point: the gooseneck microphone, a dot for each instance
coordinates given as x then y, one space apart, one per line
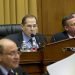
32 35
34 43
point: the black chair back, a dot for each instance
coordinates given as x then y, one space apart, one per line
8 29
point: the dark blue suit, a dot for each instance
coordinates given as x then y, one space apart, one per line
59 36
18 38
17 70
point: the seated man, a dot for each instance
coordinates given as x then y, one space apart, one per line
9 58
30 30
68 23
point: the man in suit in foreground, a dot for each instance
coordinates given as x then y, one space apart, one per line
30 27
9 58
68 23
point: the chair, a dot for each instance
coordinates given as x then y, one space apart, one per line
8 29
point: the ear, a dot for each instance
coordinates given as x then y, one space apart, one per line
21 26
66 28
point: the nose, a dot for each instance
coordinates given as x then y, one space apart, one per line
32 28
17 57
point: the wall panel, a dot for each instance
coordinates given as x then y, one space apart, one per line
51 12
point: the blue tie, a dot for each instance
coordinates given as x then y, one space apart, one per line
10 73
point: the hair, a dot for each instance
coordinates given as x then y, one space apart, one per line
27 16
64 20
1 49
72 14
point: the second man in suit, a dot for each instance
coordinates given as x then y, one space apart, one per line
68 23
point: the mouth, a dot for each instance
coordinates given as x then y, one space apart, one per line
16 62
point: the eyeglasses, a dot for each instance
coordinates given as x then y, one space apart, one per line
72 24
13 53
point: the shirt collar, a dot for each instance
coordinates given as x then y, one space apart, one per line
25 37
71 36
4 70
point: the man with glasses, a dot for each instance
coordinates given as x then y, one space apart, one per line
68 23
9 58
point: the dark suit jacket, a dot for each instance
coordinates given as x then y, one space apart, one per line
59 36
18 38
18 70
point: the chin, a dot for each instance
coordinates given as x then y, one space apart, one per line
15 66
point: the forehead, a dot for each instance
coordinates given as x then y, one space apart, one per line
10 48
8 44
31 20
71 20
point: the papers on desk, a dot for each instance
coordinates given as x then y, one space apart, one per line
63 67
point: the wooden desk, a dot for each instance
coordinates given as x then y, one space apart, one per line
35 62
55 51
32 62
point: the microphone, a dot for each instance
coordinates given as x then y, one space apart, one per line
33 39
34 43
32 35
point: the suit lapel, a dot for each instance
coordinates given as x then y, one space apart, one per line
38 40
66 35
1 72
20 37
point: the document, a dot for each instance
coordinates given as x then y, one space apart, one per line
65 66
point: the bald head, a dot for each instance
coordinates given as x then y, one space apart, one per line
9 54
6 43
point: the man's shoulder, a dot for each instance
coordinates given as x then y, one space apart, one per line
20 71
14 35
1 72
64 33
59 36
17 38
40 35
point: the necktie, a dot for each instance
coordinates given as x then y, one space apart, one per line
11 73
34 44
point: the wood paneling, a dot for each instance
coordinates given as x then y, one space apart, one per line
35 62
51 12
